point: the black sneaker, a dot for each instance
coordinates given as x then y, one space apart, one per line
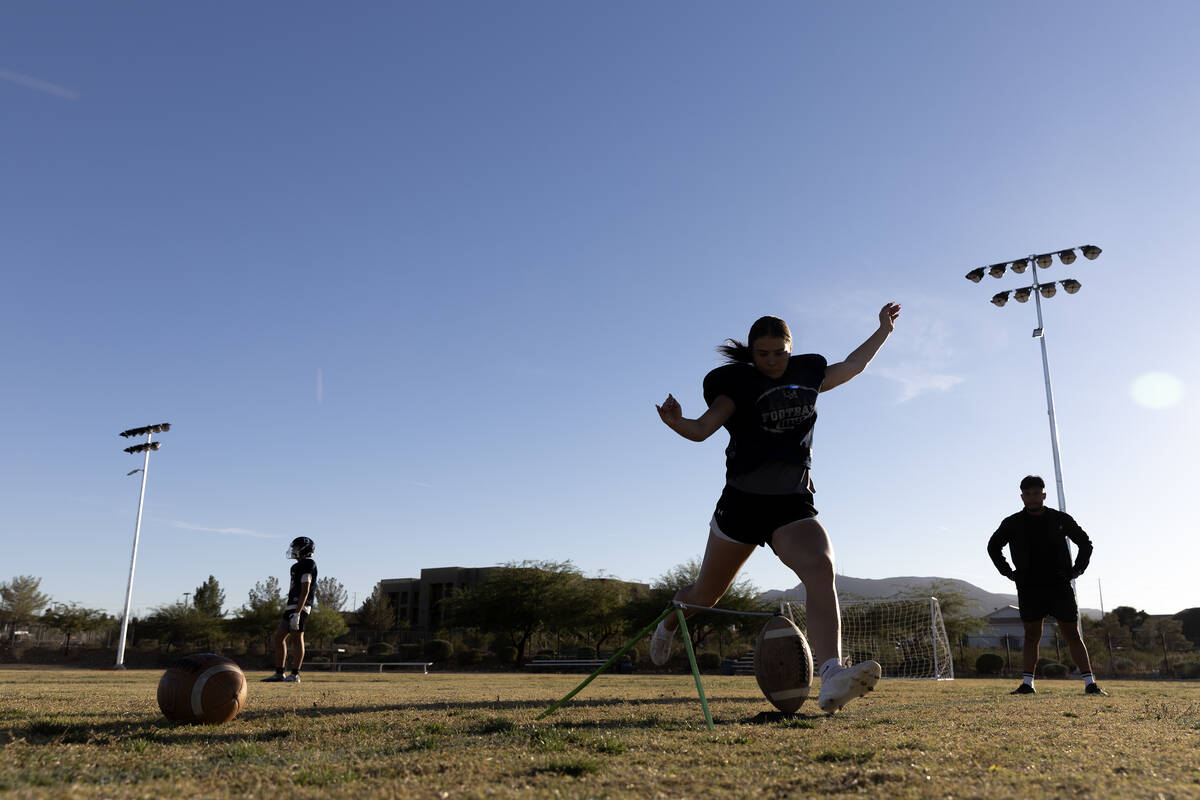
1024 688
277 678
1094 688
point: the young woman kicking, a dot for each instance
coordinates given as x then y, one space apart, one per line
767 399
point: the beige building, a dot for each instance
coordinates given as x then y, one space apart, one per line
1006 622
417 600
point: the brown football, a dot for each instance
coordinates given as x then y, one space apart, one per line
783 664
203 687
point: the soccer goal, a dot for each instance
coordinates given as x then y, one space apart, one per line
906 637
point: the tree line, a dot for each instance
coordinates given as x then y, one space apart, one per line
1132 641
525 606
534 605
201 621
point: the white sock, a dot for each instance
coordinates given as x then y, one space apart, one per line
830 666
1027 678
1088 679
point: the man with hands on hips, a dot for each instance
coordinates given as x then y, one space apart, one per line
1037 541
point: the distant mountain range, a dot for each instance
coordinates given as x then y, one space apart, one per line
980 602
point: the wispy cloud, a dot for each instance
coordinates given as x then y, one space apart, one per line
915 381
38 85
920 352
187 526
917 356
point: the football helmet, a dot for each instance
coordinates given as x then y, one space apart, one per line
301 547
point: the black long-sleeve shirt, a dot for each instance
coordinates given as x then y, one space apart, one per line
1038 546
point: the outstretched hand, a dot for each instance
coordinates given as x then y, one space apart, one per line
887 316
670 412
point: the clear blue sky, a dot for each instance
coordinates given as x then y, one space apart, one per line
409 279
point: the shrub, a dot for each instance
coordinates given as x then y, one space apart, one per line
989 664
709 661
632 654
470 657
439 650
1188 670
409 651
586 653
1041 665
507 655
1054 670
380 649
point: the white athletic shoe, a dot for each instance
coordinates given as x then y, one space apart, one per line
660 645
292 679
843 684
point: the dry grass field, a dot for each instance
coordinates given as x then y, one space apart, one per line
73 733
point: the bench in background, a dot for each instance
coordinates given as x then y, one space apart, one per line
337 666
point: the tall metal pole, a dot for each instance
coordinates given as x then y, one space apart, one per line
1090 252
1040 334
137 530
1058 478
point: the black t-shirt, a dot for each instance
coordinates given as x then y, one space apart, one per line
305 566
773 418
1044 546
1038 546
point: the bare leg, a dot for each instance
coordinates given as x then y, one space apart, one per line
298 648
1033 639
805 548
280 648
1079 653
722 561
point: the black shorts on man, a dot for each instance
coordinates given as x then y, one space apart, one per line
753 518
1037 601
286 623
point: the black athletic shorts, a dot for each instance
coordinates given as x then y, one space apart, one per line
1040 600
285 624
752 518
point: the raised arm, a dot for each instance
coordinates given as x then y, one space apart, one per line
699 429
856 362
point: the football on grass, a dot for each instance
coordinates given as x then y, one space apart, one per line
783 664
204 688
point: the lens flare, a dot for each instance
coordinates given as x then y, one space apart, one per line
1156 390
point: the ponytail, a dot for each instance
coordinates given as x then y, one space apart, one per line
737 353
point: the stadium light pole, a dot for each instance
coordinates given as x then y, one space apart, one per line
1039 290
146 447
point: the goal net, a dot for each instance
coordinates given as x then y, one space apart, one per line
906 637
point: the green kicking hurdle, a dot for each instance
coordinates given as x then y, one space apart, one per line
676 607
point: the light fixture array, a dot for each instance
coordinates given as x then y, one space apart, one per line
1041 261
